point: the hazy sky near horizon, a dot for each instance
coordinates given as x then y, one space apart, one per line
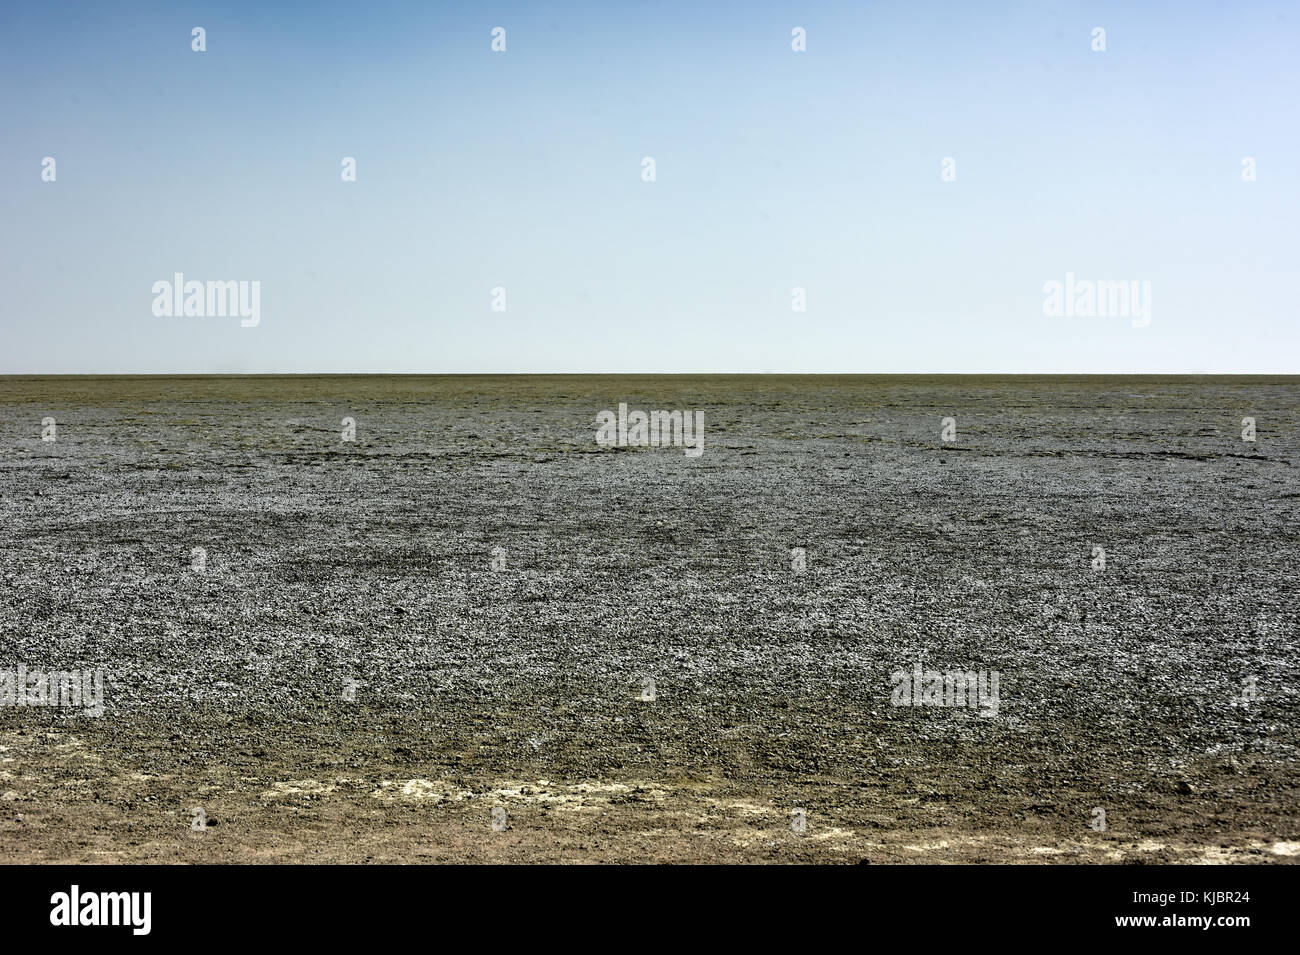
775 169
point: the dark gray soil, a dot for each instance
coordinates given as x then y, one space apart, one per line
370 561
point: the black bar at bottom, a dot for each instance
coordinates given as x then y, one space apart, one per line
949 905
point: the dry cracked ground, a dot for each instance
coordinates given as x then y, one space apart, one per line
347 679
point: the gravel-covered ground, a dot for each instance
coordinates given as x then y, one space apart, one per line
364 569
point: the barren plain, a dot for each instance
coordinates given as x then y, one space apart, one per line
345 677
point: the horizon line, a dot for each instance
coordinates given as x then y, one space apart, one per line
651 374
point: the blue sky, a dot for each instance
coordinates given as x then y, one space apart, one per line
775 169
